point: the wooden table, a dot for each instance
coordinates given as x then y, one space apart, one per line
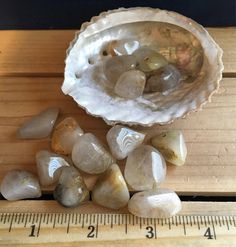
31 73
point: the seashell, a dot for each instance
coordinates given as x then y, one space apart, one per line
20 184
49 167
145 167
130 84
89 155
172 146
40 126
184 44
65 135
71 190
162 203
123 140
110 189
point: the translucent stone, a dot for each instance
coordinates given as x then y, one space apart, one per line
20 184
71 190
165 80
39 126
172 146
65 135
110 189
123 140
148 59
130 84
145 167
49 167
90 156
115 66
122 47
162 203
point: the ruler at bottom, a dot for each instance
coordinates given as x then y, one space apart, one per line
75 227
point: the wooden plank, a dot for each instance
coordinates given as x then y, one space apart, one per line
210 134
43 52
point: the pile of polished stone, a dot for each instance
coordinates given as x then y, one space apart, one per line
74 151
133 70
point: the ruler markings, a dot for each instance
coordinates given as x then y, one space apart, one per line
39 220
9 230
39 225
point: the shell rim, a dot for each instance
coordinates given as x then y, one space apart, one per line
188 111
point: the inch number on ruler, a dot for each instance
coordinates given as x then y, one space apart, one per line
89 227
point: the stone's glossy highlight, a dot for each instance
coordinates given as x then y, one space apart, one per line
172 146
71 190
145 167
130 84
115 66
148 59
123 140
20 184
166 80
162 203
122 47
65 135
49 167
90 156
110 189
39 126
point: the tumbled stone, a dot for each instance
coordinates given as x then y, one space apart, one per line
145 167
162 203
65 135
115 66
49 167
71 190
39 126
20 184
90 155
123 140
172 146
122 47
110 189
148 59
130 84
166 80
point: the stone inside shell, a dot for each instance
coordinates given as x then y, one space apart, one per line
179 39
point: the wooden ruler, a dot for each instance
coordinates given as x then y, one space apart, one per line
50 228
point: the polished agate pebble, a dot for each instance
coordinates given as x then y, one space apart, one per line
148 59
122 47
49 166
90 156
172 146
123 140
162 203
71 190
39 126
115 66
20 184
130 84
145 167
65 135
163 81
110 189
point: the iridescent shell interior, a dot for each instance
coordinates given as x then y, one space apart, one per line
183 42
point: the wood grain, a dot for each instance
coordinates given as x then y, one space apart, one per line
43 52
210 134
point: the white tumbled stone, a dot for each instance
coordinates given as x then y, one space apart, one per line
145 167
20 184
123 140
162 203
172 146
